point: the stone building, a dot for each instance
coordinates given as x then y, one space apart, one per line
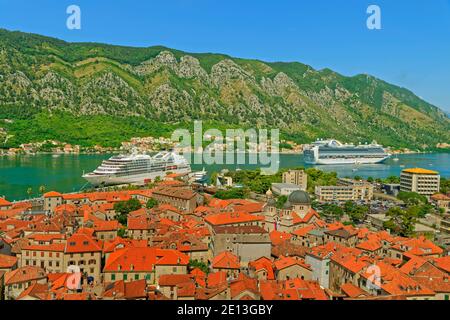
247 242
296 212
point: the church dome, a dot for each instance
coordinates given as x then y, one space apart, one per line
287 205
299 197
271 202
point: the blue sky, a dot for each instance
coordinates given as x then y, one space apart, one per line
412 49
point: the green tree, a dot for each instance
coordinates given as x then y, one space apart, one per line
281 201
234 193
42 189
392 179
198 264
122 232
357 213
445 185
151 203
412 198
214 176
123 208
333 210
400 222
29 192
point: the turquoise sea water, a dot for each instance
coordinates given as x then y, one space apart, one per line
63 173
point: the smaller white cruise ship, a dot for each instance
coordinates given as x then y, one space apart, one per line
331 152
137 168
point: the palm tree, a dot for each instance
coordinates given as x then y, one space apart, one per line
29 192
42 189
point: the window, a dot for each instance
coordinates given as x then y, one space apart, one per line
125 277
136 277
113 277
174 269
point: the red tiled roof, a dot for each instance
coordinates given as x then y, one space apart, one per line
53 247
302 232
181 193
226 260
352 291
231 218
263 263
286 262
442 263
36 290
112 225
52 194
79 243
440 196
394 282
7 262
369 245
243 283
4 203
24 274
278 237
217 278
173 279
143 259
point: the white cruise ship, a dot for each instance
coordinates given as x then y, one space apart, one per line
333 152
137 168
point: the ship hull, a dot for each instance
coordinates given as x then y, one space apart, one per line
347 161
110 180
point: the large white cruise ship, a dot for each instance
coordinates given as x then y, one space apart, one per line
137 168
334 152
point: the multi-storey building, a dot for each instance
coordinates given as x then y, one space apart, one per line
355 192
421 181
181 198
297 177
247 242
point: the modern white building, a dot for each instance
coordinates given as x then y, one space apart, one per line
284 189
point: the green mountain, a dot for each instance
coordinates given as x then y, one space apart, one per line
90 93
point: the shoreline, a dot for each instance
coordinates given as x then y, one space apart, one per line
445 151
